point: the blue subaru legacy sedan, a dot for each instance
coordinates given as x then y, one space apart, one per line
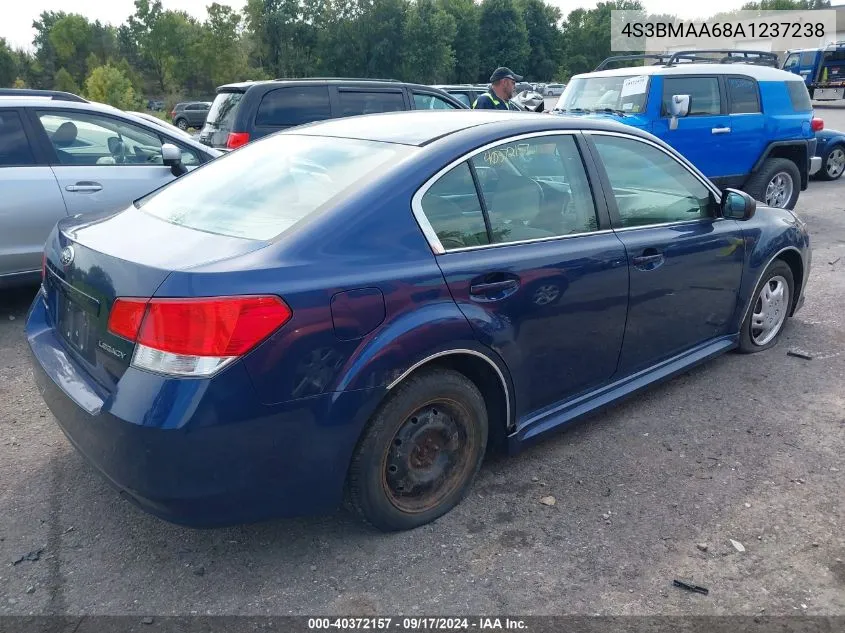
355 311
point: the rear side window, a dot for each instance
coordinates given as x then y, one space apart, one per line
462 97
703 92
262 190
427 101
452 208
294 106
14 147
743 94
799 96
354 103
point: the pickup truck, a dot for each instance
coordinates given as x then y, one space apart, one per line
823 70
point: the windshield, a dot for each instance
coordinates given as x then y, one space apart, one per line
624 94
260 191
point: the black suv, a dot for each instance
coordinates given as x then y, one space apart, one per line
243 112
190 114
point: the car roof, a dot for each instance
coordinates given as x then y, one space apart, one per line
761 73
245 85
421 127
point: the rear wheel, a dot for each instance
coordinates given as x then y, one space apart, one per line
833 163
420 452
776 184
182 124
770 307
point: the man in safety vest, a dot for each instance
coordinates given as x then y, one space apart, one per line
502 85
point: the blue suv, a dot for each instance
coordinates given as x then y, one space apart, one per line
745 125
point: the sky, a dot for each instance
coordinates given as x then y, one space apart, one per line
17 15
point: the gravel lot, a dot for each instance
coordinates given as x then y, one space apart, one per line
748 448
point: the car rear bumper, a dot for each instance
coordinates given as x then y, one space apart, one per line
174 448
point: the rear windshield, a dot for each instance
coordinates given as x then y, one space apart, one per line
223 109
261 190
799 96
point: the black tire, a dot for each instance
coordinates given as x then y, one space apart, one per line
747 343
182 124
824 172
759 181
406 445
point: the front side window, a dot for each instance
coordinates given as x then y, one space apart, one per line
14 147
294 105
353 103
703 93
427 101
649 185
290 177
744 95
80 138
792 62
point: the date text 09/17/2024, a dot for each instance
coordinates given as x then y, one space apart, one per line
416 624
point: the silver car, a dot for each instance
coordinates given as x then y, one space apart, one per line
60 157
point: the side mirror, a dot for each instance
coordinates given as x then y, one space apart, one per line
738 205
171 156
678 107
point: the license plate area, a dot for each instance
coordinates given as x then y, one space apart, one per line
74 324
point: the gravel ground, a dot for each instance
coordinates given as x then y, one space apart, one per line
748 448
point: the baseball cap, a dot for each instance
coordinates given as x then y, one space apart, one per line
504 73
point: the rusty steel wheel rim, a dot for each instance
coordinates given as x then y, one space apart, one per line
429 457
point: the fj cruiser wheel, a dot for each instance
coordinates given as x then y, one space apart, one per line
420 452
833 163
769 309
182 124
776 184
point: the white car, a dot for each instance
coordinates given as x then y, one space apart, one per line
554 90
63 156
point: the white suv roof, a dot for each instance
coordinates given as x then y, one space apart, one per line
761 73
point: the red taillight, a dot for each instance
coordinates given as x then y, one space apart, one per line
817 124
237 139
206 327
173 114
126 316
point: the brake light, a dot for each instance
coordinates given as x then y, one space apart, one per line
817 124
237 139
173 114
195 337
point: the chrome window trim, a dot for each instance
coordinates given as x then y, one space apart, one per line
470 352
760 277
416 201
533 240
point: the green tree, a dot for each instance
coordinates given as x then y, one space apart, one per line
465 43
156 33
221 54
585 36
427 43
71 39
503 37
64 81
544 39
8 65
106 84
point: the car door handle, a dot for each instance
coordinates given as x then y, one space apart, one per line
648 260
493 286
721 130
84 187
